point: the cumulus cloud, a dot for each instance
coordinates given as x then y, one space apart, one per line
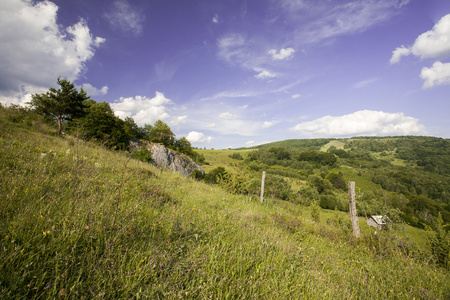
398 53
438 74
198 137
142 109
365 122
93 91
126 18
35 50
282 53
434 43
295 96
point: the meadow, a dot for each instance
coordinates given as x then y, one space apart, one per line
80 221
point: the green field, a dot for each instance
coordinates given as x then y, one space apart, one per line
79 221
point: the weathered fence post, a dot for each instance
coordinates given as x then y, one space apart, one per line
353 214
262 186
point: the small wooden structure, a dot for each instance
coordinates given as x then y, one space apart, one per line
379 222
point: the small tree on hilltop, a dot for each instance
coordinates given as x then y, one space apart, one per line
63 104
161 133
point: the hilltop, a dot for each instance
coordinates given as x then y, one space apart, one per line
79 220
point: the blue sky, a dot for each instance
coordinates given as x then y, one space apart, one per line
240 72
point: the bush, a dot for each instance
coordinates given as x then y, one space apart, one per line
236 155
438 241
143 155
196 174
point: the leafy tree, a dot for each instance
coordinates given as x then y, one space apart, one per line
160 132
63 104
101 124
131 128
438 241
184 146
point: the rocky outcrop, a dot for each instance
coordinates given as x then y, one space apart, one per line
177 162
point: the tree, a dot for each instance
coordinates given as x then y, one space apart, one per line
63 104
160 132
101 124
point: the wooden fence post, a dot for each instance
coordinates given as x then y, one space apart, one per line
262 186
353 214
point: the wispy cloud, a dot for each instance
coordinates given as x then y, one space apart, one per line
364 83
215 19
126 18
344 18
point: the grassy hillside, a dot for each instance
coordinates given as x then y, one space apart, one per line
79 221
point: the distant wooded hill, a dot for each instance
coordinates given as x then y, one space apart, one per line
406 174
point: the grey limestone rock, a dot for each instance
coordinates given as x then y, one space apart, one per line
177 162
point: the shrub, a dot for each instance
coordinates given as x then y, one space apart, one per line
236 155
143 155
196 174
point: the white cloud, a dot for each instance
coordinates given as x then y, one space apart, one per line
198 137
364 83
227 116
93 91
438 74
124 17
295 96
282 53
215 19
347 17
142 109
363 122
179 120
268 124
263 74
250 143
232 48
434 43
398 53
35 50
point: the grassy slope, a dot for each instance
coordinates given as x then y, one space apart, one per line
78 221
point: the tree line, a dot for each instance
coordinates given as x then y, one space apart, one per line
76 112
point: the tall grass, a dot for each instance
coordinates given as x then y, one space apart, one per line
78 221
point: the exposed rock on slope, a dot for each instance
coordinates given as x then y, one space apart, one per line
170 160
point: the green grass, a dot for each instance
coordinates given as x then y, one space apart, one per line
78 221
336 143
